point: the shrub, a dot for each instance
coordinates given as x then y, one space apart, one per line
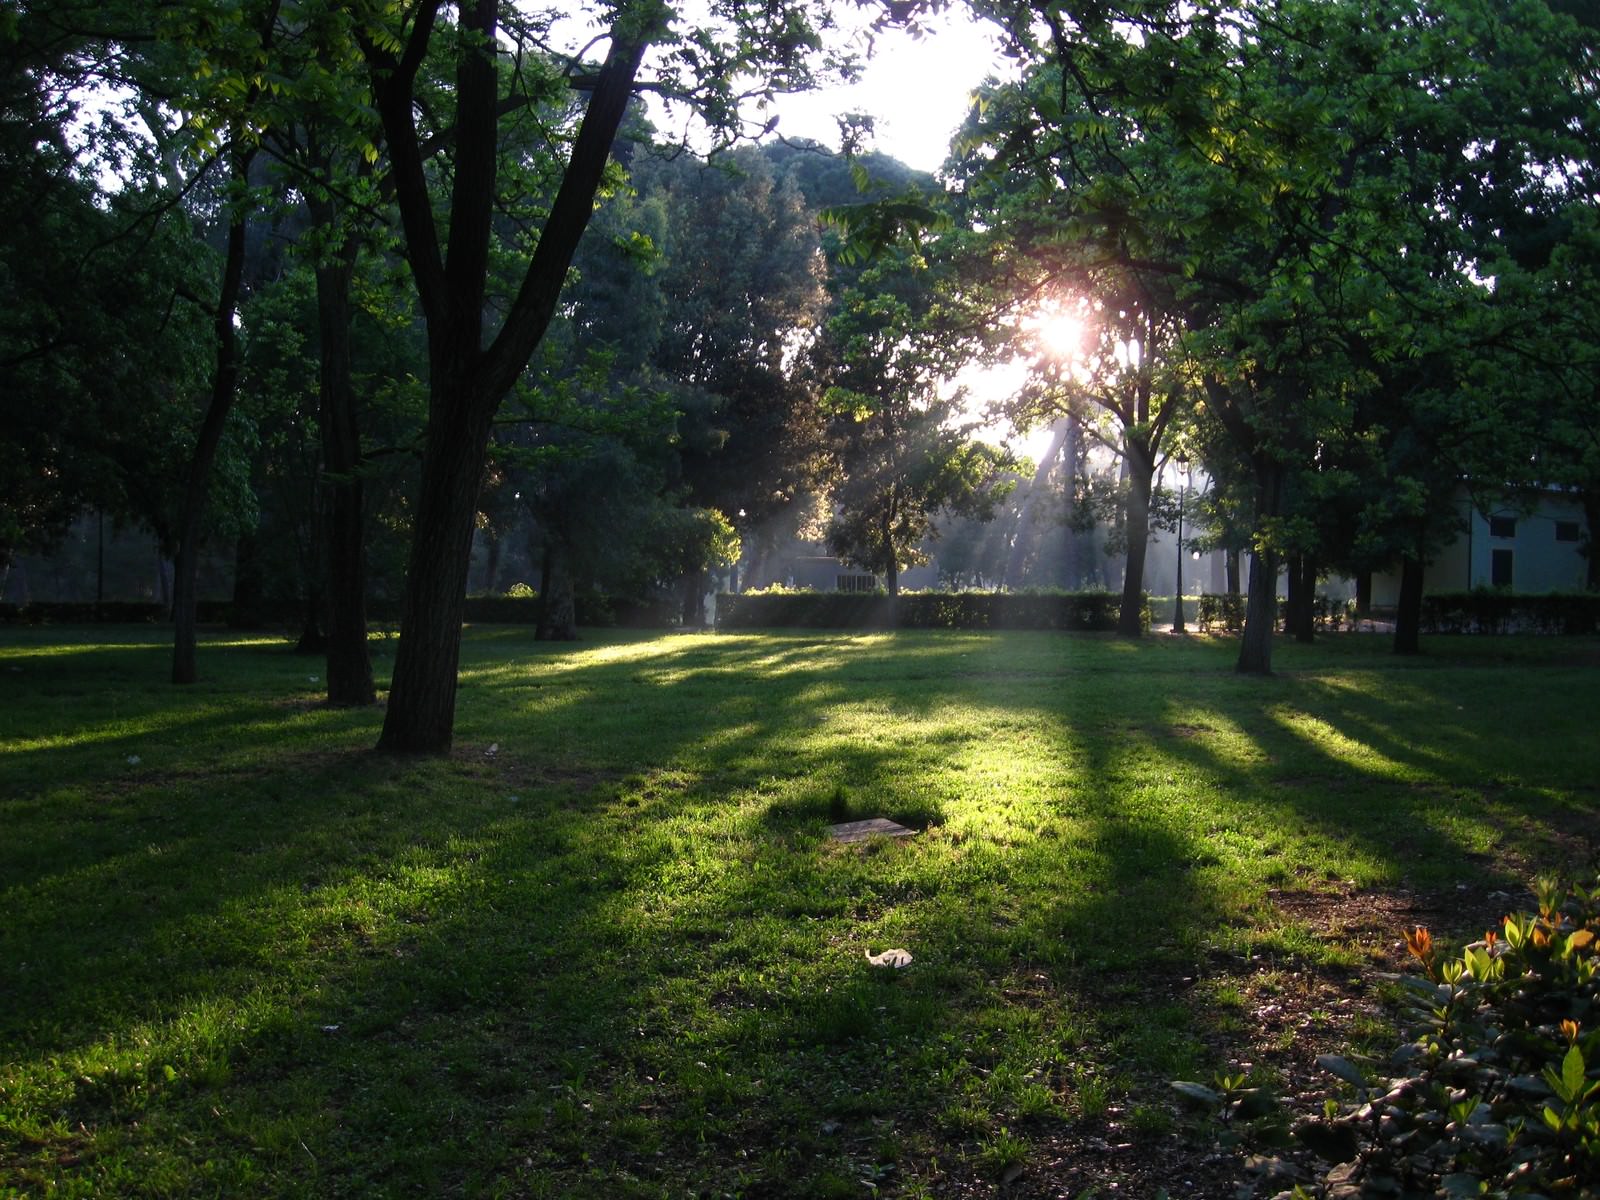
1221 611
1087 611
1485 610
1499 1093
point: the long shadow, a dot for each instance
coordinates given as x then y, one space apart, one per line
635 892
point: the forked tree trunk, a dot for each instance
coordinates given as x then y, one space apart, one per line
466 379
1408 612
349 658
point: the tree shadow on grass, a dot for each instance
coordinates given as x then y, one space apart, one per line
622 943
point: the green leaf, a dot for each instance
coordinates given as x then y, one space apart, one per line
1197 1092
1343 1068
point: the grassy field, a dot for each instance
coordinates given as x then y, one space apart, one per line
607 948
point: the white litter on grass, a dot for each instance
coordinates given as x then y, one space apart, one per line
133 760
312 678
494 748
895 959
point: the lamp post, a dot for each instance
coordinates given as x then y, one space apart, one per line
1177 601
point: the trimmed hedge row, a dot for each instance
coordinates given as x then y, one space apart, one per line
119 612
1089 611
1487 611
598 611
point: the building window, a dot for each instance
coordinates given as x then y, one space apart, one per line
1500 568
1503 527
1566 531
856 583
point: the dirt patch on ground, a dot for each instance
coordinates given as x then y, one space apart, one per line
1268 1016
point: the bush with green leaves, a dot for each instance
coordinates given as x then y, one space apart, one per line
1498 1095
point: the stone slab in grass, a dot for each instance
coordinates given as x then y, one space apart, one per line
860 831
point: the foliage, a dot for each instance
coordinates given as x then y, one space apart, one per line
1497 1094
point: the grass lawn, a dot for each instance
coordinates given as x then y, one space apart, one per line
607 948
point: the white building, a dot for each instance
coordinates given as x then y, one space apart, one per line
1529 550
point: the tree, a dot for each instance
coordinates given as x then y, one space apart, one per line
902 454
469 375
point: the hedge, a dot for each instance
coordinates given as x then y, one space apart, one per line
1088 611
592 610
121 612
1486 611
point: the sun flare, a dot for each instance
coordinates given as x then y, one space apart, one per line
1058 331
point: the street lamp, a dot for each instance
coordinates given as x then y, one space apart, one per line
1177 601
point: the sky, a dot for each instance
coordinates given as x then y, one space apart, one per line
918 89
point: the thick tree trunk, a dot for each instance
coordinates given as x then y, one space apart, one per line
1231 565
1260 616
558 609
1364 594
1129 616
349 658
224 386
420 718
1408 613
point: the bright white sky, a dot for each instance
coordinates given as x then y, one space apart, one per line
919 90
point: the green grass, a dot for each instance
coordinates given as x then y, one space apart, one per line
619 956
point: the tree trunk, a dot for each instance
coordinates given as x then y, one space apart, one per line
312 639
491 563
1139 473
420 718
1364 594
558 609
224 386
1300 611
349 658
1260 616
1591 514
1231 564
1408 613
694 600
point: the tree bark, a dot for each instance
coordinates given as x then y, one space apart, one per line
1408 613
349 658
1140 470
1364 594
1231 564
224 387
